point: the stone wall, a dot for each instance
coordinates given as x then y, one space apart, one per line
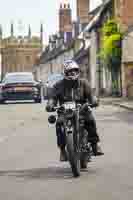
83 7
124 12
19 54
65 19
127 65
53 66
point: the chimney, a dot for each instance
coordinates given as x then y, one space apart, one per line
83 8
41 33
65 19
29 32
1 33
12 29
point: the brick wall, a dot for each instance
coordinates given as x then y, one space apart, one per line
127 12
124 12
83 7
65 19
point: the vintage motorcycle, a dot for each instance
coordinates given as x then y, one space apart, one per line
78 149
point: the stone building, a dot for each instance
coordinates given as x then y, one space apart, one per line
59 49
127 64
83 7
60 46
83 48
65 20
65 44
98 76
51 61
20 53
124 12
0 48
124 15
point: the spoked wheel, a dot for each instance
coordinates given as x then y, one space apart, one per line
84 155
73 156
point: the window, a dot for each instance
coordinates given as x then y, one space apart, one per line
28 58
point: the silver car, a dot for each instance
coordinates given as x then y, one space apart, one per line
51 81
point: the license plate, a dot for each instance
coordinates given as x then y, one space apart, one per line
23 89
70 105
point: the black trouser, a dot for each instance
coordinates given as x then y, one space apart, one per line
90 125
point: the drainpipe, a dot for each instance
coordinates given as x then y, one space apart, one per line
78 45
51 67
98 63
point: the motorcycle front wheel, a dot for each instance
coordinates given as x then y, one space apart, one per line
84 156
73 156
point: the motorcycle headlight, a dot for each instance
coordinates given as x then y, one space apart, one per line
52 119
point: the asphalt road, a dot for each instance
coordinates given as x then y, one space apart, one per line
29 159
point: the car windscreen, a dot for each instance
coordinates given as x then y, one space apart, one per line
18 78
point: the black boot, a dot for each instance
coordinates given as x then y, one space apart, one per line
63 154
97 150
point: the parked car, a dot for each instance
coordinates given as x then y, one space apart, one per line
20 86
52 79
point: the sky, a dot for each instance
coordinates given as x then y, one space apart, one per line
25 12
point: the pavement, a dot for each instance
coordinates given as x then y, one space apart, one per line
118 101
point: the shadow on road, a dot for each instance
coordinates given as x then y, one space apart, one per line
40 173
49 173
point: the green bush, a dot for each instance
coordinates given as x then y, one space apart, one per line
111 44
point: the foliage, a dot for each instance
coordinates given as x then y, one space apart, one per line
109 28
111 45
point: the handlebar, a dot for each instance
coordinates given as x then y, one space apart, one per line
78 106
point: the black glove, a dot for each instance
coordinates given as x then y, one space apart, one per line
84 109
96 102
95 105
49 108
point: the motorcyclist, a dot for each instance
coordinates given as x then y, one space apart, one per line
73 88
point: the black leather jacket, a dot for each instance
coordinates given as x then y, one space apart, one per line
66 90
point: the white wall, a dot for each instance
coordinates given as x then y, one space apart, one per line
93 61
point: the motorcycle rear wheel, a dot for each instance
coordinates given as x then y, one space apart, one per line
73 156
